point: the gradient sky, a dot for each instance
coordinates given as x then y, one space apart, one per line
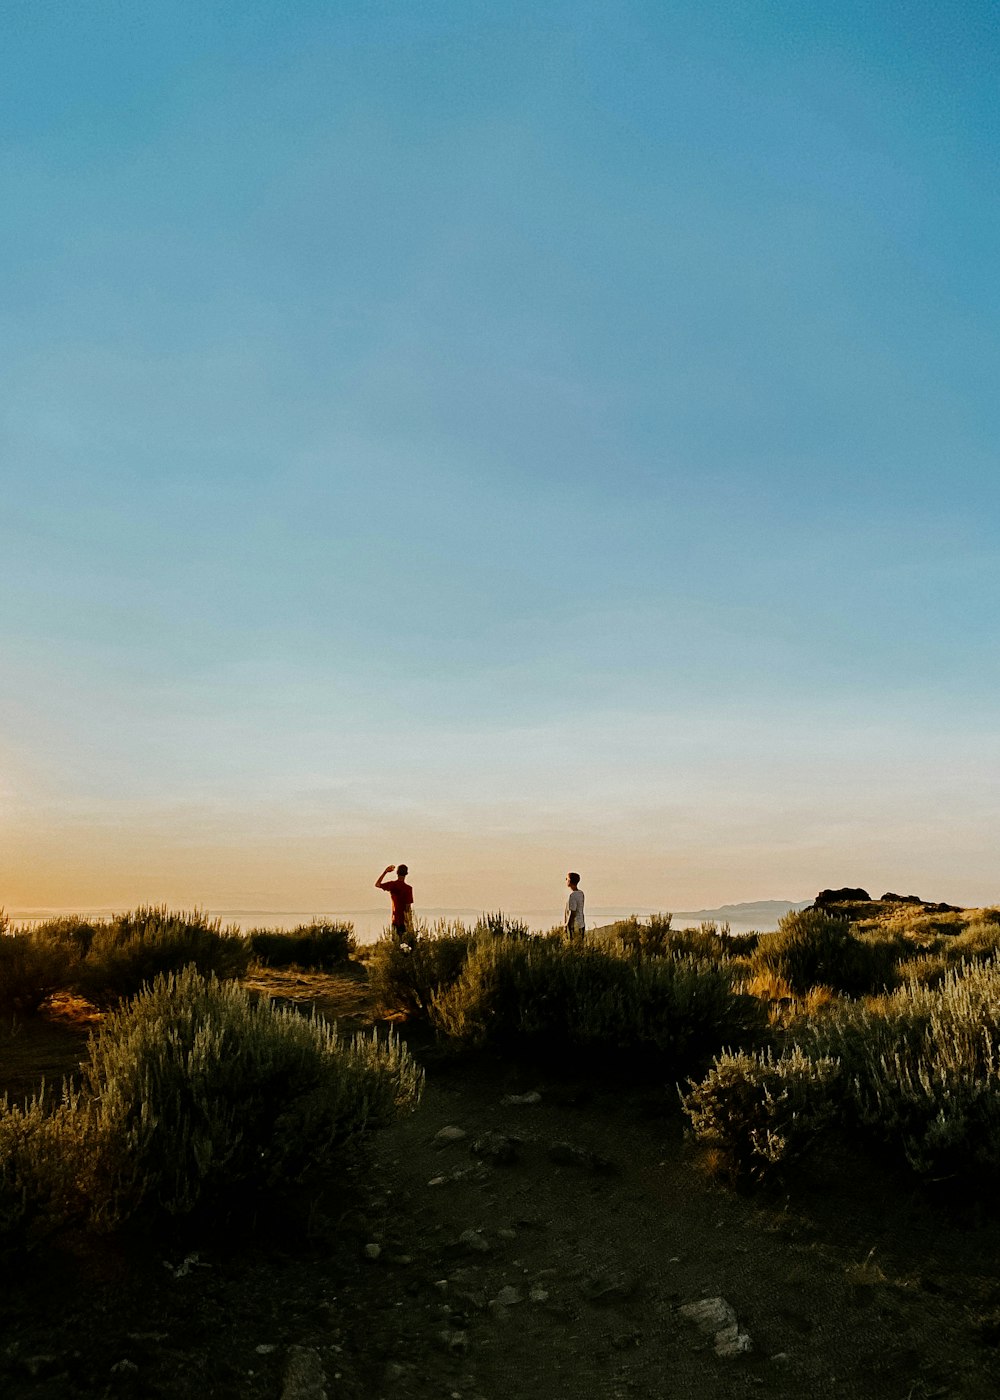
501 437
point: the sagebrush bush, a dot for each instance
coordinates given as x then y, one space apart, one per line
405 977
662 1015
923 1066
760 1113
319 945
655 937
71 931
32 967
47 1163
642 939
815 949
130 950
194 1096
499 925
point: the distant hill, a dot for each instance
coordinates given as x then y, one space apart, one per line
766 910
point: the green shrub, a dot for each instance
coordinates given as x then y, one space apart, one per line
499 925
41 1148
815 949
664 1015
70 931
924 1069
655 938
130 950
760 1114
31 968
405 977
642 940
317 945
979 942
195 1096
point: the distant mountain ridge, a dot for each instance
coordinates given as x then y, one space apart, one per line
769 909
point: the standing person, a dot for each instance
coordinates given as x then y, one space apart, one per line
401 895
573 917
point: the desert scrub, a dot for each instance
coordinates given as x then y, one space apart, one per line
815 949
71 931
661 1015
196 1097
406 977
45 1164
923 1066
319 945
499 925
130 950
642 938
32 967
758 1114
656 938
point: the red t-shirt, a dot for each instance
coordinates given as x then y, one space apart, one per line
402 898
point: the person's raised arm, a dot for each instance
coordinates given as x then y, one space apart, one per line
387 871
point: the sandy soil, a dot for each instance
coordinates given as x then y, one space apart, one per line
540 1249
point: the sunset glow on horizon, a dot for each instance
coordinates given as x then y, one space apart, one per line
504 439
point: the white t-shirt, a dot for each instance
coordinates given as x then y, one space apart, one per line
574 912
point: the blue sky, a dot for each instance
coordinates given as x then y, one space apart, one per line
502 438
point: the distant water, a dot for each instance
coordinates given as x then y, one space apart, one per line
369 924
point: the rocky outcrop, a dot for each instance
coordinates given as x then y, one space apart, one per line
845 896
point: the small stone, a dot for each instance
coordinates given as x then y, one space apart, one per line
124 1368
521 1100
506 1233
402 1260
305 1378
674 1259
496 1148
473 1239
507 1297
715 1317
730 1341
450 1134
437 1181
265 1348
709 1315
539 1295
454 1341
372 1251
608 1288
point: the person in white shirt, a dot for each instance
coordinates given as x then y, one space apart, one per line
573 918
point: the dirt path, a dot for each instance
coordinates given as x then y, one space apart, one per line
588 1242
540 1249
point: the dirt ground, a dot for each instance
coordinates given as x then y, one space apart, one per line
541 1248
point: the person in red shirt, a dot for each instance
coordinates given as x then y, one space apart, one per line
401 895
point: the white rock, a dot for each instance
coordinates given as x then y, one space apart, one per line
709 1315
716 1318
450 1134
473 1239
265 1349
730 1341
372 1251
516 1100
507 1297
539 1295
